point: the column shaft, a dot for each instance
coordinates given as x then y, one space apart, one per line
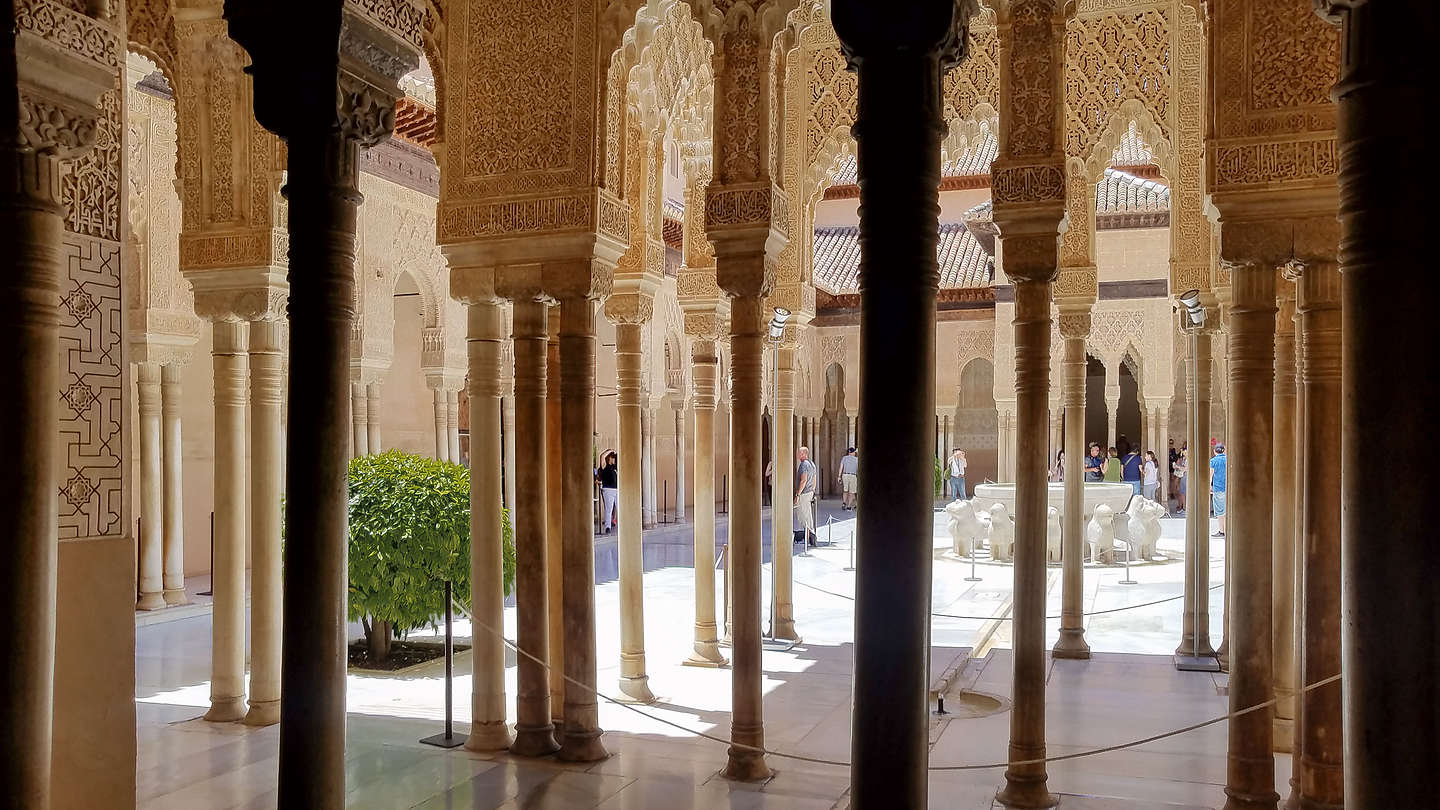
680 465
227 567
747 726
1283 530
646 447
508 426
631 408
1071 643
452 428
372 418
781 512
267 453
322 187
1250 781
442 435
1320 764
1025 785
1195 630
152 523
581 734
554 519
360 418
706 651
171 460
534 729
485 332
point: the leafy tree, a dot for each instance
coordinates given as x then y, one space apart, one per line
409 533
940 478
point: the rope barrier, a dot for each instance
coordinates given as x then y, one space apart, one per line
465 611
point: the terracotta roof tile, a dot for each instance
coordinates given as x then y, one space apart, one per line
963 261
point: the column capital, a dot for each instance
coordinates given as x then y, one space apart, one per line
629 308
1317 284
1075 324
240 293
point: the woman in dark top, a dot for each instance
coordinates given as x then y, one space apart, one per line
1094 464
609 478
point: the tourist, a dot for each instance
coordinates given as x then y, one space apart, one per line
1181 467
1130 464
849 482
609 479
1094 464
1057 473
1150 480
1110 469
805 492
957 474
769 478
1217 486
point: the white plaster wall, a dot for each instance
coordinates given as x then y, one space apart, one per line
407 406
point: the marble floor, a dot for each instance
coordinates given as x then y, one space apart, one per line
1128 690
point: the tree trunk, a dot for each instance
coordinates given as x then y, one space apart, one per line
377 640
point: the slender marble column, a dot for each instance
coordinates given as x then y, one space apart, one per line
1250 781
680 465
171 453
631 405
781 511
360 417
1298 562
747 725
646 447
1195 638
442 436
1112 405
486 331
1074 328
507 405
581 733
706 651
152 524
372 418
267 452
227 568
534 729
452 427
1162 452
1389 391
554 519
1320 740
1283 532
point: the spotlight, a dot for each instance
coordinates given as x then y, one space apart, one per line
1191 301
777 323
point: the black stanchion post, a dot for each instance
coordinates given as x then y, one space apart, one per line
449 739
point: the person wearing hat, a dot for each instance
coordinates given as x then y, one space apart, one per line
849 482
1217 486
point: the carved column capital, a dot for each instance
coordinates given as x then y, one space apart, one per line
1075 324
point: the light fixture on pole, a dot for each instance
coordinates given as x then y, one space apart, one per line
777 331
1195 321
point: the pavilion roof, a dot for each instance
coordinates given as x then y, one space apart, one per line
963 262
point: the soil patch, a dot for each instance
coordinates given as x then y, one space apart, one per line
403 654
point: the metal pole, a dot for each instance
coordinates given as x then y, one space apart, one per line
449 739
972 577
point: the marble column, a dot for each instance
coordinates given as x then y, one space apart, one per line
151 579
680 464
442 435
646 447
631 408
507 416
899 124
267 453
372 418
173 477
452 427
554 518
1297 617
1112 406
227 567
1162 452
534 729
1250 780
1195 622
748 316
1074 329
1390 648
706 650
784 448
1283 492
580 741
1320 733
360 418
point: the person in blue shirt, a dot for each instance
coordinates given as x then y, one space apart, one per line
1094 463
1217 486
1130 468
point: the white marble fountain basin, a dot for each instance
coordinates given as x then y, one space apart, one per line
1115 496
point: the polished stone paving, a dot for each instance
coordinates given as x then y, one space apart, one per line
1127 691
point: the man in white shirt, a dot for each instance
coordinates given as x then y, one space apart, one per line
849 480
957 474
805 491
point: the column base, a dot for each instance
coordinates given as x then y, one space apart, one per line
746 765
1282 735
582 746
491 736
534 742
263 713
150 601
706 654
1071 644
176 597
1026 794
785 630
226 710
1185 662
637 689
1223 655
1235 800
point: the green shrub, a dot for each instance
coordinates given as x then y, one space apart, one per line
409 533
939 478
